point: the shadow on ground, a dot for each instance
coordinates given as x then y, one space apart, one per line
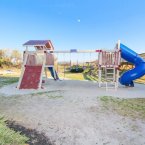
35 138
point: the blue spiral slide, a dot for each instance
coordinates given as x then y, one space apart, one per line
139 70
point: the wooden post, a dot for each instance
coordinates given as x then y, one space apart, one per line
118 45
117 77
23 68
99 76
42 70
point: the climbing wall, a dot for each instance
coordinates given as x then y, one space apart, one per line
31 77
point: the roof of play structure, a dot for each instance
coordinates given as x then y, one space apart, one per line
39 43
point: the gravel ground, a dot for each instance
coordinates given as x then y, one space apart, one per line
69 113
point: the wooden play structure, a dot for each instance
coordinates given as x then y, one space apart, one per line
35 63
109 62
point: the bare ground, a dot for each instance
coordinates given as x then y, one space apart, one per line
70 113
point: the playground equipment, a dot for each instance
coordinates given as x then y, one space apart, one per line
108 62
137 72
111 61
34 64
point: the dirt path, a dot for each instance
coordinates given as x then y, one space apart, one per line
70 113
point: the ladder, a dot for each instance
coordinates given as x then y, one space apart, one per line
110 77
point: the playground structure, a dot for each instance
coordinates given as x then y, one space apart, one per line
135 73
36 62
109 62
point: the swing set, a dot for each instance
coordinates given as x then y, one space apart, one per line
35 63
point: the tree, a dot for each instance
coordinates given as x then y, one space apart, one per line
16 57
9 58
2 53
2 57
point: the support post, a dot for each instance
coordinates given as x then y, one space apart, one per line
99 76
23 68
42 70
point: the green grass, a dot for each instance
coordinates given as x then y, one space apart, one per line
134 108
6 80
10 137
74 76
89 77
54 97
48 94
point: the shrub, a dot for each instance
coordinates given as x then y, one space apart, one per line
76 69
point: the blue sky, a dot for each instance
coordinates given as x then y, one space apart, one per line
73 24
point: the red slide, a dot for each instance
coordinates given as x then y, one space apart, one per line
31 77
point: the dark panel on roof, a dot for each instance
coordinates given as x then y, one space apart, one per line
36 42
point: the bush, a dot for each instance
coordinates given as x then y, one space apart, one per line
76 69
10 58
